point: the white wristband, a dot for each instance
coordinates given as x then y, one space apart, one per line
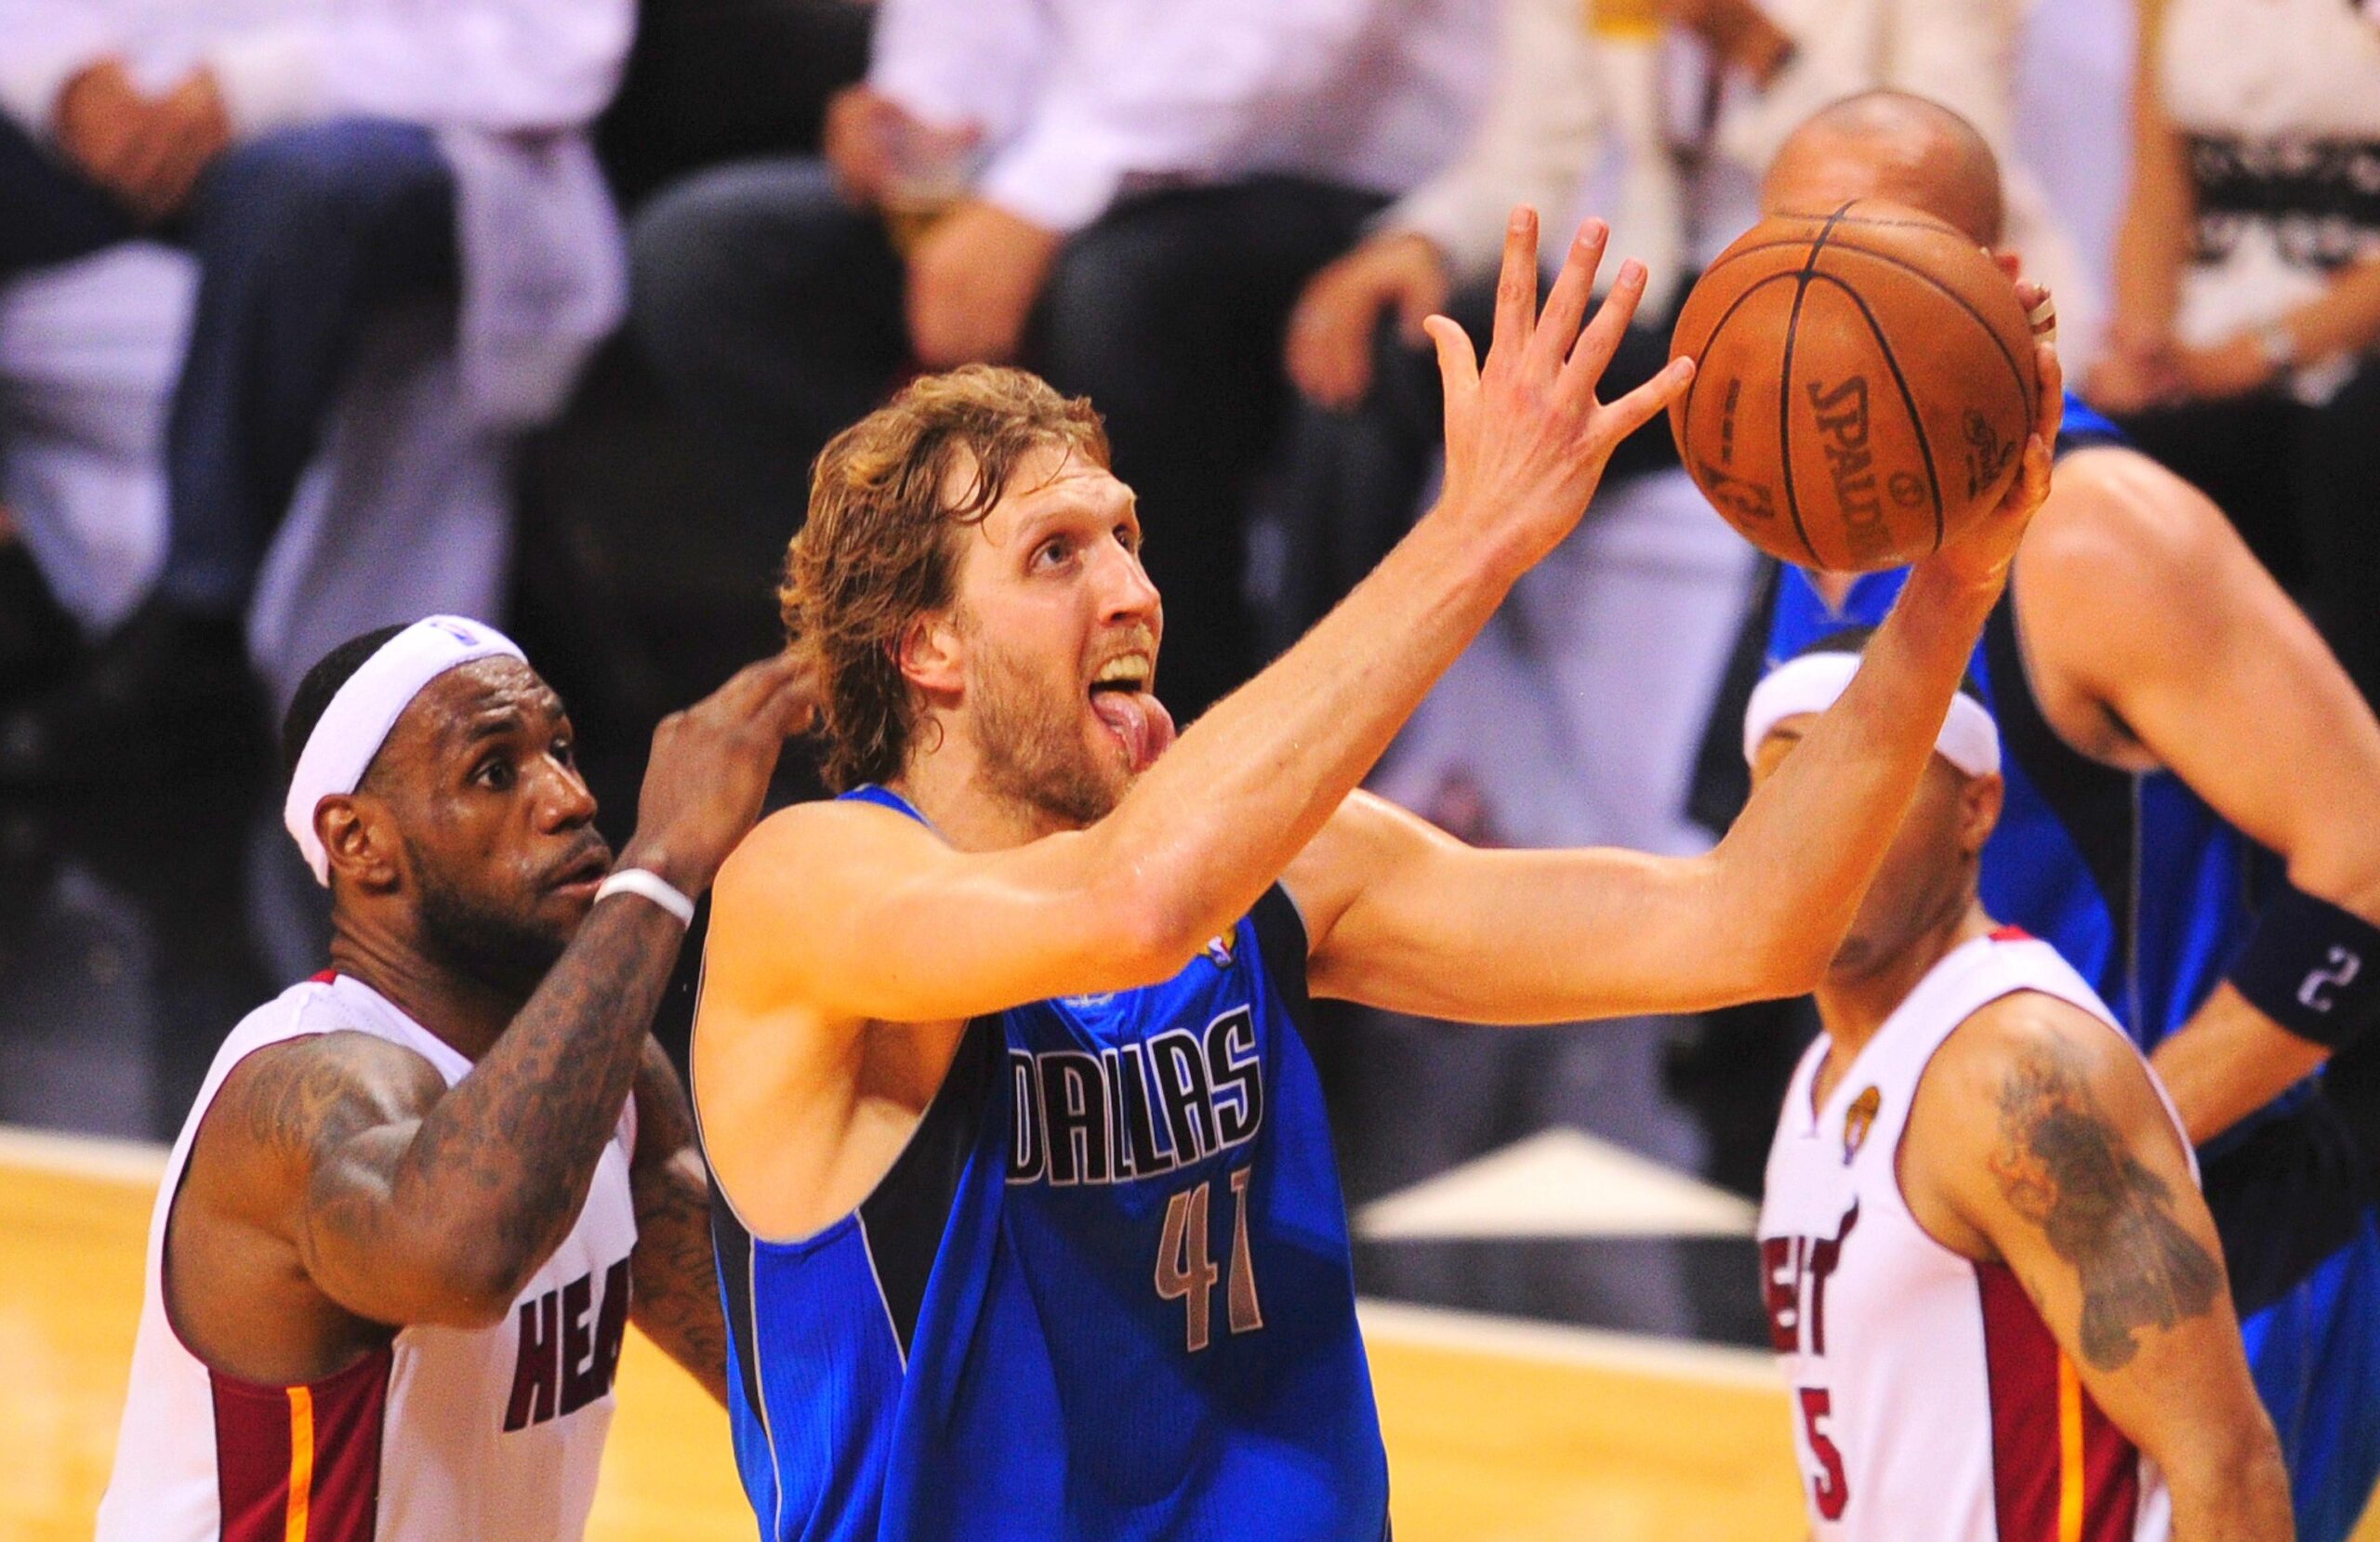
649 885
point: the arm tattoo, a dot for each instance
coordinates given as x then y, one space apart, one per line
676 1300
312 1096
510 1154
2063 1166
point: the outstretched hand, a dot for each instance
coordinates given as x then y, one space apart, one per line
710 770
1527 440
1983 552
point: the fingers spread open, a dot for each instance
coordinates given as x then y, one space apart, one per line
1600 340
1566 306
1648 400
1516 288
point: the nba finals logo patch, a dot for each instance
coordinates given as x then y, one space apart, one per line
1219 950
1858 1120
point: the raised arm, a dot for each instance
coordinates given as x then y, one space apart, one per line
411 1203
855 913
1403 916
2140 600
675 1276
2037 1136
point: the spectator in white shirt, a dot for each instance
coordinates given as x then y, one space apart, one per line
2245 347
1125 193
325 162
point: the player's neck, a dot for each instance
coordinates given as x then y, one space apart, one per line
467 1014
948 787
1853 1008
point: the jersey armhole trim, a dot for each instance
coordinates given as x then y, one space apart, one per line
1282 942
1901 1137
875 1272
1900 1140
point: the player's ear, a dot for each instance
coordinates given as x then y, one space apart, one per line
930 653
1980 805
359 836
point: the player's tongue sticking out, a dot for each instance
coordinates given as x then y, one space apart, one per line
1137 719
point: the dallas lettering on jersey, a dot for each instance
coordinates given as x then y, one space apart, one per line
1135 1111
1794 1272
566 1362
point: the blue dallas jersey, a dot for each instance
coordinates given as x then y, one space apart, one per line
1105 1293
2148 892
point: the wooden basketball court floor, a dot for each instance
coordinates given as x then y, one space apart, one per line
1498 1431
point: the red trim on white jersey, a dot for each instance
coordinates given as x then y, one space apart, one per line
417 1440
301 1461
1931 1400
2061 1470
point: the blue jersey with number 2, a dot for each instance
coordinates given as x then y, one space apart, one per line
1105 1292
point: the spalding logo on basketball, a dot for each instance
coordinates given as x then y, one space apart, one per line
1864 385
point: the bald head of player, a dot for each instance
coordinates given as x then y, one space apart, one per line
1926 889
467 846
1893 146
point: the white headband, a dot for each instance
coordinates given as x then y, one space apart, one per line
357 721
1969 739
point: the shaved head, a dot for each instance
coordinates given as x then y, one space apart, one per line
1894 146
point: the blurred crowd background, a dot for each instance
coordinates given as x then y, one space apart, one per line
321 314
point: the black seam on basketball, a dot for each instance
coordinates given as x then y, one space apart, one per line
1908 398
1785 416
1785 385
2016 370
1687 407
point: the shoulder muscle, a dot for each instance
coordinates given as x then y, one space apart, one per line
2067 1163
290 1105
2117 567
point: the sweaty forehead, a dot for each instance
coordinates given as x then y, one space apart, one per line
1044 488
464 705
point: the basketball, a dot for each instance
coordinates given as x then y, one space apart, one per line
1864 385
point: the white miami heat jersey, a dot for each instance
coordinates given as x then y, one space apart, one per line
444 1435
1929 1399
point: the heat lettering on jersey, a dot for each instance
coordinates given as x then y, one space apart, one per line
1794 1272
566 1362
1135 1111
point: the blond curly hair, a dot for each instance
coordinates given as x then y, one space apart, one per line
878 547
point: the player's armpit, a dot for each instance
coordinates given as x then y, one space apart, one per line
675 1294
2037 1136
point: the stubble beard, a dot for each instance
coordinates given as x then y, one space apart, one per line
1031 746
477 941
